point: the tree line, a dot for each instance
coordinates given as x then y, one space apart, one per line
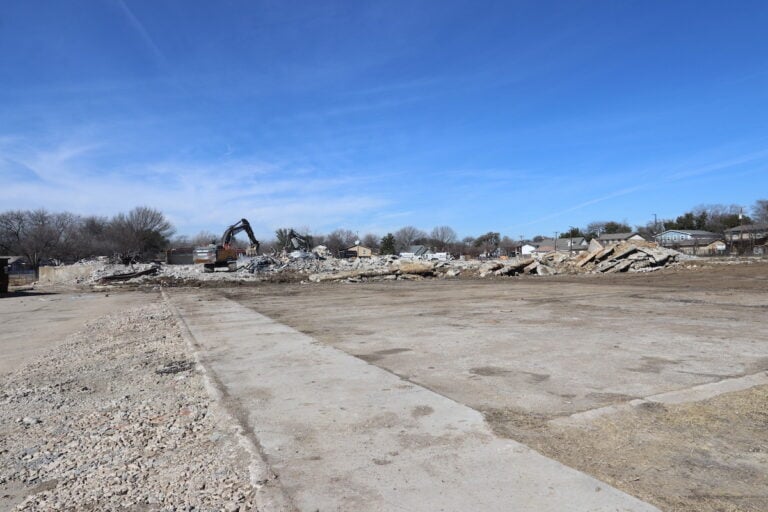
715 218
40 236
143 232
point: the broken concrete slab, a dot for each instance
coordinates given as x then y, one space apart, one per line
422 269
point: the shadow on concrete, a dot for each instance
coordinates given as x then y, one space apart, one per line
25 292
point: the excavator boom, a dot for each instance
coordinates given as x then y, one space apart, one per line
224 255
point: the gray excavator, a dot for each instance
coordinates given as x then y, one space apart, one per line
224 255
296 242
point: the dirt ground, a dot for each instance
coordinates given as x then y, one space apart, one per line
527 351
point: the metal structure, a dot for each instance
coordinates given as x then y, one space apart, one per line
224 255
296 242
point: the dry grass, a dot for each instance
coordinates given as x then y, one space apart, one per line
709 456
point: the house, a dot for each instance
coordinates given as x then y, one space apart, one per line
418 250
18 265
527 249
749 238
747 232
716 248
686 237
358 251
415 252
612 238
696 248
575 244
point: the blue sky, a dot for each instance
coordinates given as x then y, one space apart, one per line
518 117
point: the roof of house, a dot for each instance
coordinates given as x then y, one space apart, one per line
692 232
13 259
563 244
617 236
748 227
418 250
695 243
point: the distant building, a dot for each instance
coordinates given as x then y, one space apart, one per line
415 252
716 248
747 232
686 238
748 239
418 250
612 238
575 244
358 251
698 248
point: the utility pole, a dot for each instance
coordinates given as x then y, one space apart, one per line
570 242
555 244
741 249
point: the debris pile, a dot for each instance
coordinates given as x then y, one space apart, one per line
628 257
634 256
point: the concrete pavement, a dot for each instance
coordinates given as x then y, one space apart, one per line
343 434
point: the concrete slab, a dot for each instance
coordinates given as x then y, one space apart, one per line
346 435
544 347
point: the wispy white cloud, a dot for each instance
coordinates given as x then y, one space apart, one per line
146 39
194 196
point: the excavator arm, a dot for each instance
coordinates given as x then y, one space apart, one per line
224 255
242 225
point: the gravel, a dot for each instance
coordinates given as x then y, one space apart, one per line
118 418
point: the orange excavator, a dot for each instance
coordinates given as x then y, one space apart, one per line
224 255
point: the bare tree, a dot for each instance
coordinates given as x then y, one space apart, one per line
37 235
488 242
406 236
339 240
91 238
12 230
141 233
467 246
760 211
443 236
371 241
508 246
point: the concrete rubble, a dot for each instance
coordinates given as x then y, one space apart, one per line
306 267
118 418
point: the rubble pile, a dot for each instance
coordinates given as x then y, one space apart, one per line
118 418
634 256
628 257
104 271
